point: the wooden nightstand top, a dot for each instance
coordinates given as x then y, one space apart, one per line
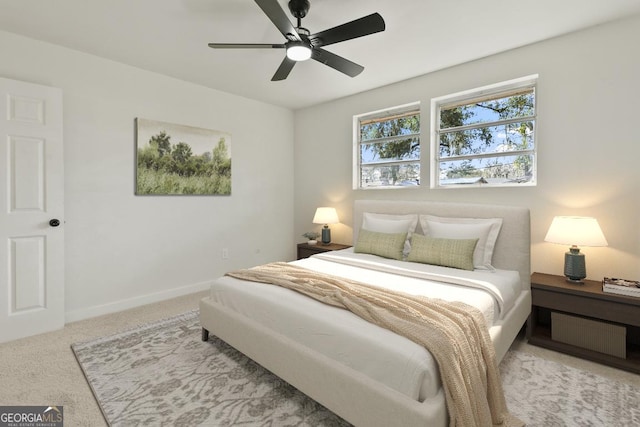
590 288
324 248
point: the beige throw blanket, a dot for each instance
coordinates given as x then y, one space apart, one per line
455 333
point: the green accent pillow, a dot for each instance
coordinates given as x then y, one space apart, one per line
388 245
456 253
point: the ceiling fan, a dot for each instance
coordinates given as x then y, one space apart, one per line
302 45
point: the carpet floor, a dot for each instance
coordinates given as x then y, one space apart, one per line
161 373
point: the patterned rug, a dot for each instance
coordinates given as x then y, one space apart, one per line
544 393
163 374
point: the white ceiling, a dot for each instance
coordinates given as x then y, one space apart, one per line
170 37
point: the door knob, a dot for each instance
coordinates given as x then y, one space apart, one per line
54 222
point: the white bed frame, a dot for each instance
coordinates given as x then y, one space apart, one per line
349 393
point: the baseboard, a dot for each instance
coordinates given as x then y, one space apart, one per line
114 307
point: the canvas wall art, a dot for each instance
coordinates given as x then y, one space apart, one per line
173 159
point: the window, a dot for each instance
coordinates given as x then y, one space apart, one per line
387 148
485 136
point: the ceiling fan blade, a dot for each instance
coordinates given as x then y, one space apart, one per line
360 27
336 62
245 46
284 69
274 12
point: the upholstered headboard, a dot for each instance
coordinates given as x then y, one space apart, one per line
513 246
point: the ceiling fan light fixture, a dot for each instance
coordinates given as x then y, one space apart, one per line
298 51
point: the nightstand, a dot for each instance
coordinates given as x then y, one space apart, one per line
583 321
305 250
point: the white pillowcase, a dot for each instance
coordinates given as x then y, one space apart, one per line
486 230
385 223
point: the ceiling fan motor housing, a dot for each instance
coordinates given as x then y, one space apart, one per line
299 8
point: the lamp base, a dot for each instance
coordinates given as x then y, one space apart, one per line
574 266
326 235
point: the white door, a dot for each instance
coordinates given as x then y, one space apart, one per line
31 199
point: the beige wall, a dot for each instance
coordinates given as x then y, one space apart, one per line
588 142
123 250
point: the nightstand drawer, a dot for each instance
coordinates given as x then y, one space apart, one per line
587 306
306 252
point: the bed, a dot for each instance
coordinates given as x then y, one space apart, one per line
367 374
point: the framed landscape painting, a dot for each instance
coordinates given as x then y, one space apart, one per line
174 159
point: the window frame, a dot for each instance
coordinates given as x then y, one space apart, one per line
386 113
493 91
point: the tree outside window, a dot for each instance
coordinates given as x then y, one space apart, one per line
485 137
387 148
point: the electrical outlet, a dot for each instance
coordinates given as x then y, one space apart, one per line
225 253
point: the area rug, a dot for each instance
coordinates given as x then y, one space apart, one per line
547 393
163 374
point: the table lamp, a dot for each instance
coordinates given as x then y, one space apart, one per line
575 231
326 216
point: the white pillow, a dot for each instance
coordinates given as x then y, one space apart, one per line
391 224
486 230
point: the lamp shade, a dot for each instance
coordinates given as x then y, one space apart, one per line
575 230
326 215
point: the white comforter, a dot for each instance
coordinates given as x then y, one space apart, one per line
339 334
